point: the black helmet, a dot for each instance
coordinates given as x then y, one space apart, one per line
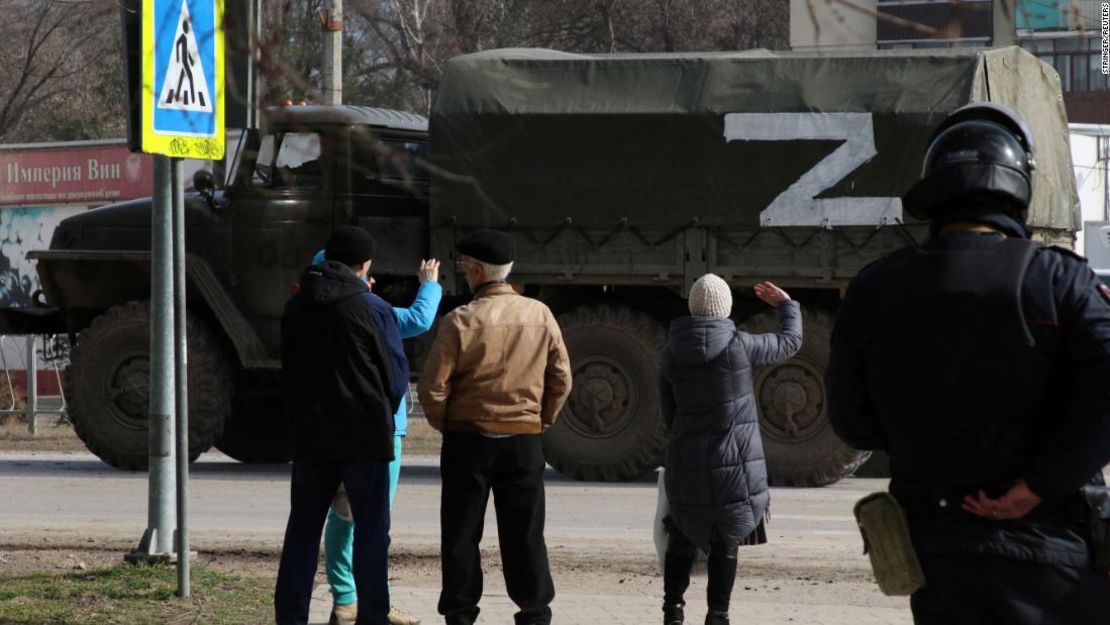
981 151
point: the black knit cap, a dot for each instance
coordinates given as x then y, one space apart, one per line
349 245
489 246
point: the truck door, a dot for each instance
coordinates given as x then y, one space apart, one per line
282 215
386 193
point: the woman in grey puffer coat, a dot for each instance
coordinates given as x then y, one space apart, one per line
716 476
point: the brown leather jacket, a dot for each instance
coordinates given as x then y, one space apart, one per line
498 365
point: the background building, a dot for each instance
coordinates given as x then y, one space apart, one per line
1065 33
821 25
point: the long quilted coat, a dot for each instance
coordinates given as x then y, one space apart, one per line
716 477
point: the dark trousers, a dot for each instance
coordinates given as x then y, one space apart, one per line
679 560
472 465
312 489
969 589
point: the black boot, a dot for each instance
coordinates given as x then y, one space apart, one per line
673 613
676 579
722 576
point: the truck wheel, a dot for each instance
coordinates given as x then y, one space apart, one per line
610 428
257 430
801 447
108 380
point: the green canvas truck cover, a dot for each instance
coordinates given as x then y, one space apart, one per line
756 139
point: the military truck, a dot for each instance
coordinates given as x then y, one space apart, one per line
623 178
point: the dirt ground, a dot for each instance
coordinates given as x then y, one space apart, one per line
602 572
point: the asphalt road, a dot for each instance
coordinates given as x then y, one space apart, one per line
77 492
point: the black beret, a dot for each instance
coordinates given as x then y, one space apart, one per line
489 246
349 245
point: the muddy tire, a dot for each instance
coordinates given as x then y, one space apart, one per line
257 431
611 427
108 381
801 447
878 465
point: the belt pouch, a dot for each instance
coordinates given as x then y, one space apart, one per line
886 540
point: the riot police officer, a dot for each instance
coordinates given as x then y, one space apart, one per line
980 361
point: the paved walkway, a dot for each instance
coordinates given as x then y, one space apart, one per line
586 609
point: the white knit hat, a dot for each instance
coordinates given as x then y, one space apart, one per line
710 297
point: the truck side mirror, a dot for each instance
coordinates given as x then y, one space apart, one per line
204 183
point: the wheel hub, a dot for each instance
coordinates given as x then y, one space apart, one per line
601 402
791 401
128 392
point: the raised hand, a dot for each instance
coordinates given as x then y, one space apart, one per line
770 293
429 271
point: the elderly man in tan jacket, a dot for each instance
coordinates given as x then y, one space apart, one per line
497 376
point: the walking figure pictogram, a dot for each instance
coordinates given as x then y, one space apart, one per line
186 61
185 86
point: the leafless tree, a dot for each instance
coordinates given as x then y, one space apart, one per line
62 75
406 42
290 52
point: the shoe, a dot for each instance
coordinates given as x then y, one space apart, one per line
397 617
343 614
716 618
673 613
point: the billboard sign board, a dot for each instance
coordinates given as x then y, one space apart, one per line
73 174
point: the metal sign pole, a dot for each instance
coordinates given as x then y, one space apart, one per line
157 541
181 358
32 385
181 76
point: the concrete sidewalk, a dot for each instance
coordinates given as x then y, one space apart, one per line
585 609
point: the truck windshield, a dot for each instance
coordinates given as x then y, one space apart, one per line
289 160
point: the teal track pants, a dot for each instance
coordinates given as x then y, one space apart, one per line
339 539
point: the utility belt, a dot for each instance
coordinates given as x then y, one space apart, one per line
926 505
1089 508
884 524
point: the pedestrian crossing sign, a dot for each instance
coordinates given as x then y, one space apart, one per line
183 78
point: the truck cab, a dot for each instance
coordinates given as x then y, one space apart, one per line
308 170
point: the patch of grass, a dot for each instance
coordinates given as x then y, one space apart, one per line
14 436
127 594
6 403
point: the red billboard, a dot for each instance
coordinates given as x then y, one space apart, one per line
77 173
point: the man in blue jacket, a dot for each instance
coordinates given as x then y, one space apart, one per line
339 531
345 374
981 362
